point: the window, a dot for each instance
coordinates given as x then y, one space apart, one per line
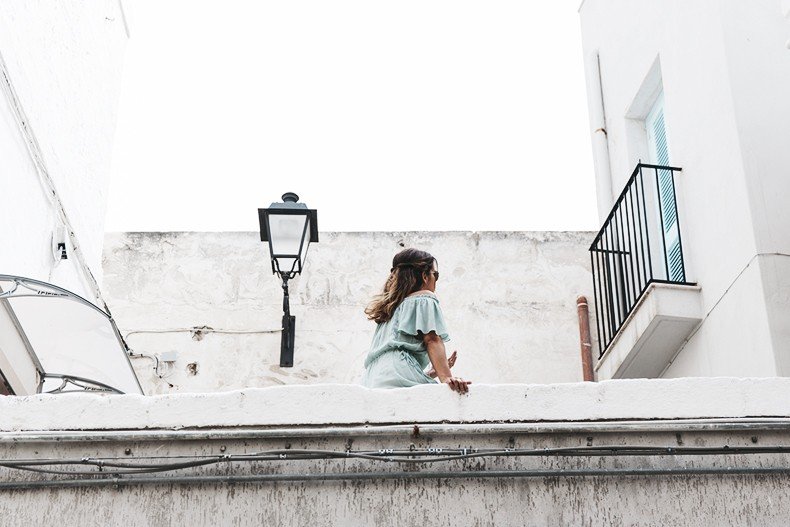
658 148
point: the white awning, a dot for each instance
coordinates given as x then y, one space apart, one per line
73 344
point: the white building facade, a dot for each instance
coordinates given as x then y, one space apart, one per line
61 80
702 86
60 77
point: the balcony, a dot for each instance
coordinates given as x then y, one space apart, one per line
646 307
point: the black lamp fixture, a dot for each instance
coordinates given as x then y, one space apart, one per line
289 227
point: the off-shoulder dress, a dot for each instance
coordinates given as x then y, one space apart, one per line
398 357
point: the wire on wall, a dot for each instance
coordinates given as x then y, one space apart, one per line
109 469
48 184
199 331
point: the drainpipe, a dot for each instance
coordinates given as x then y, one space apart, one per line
785 6
600 139
584 338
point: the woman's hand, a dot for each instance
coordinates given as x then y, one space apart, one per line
441 365
456 383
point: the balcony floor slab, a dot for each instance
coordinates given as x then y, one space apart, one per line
651 336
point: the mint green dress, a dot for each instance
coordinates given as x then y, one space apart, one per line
397 357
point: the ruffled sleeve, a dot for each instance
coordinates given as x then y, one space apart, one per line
421 315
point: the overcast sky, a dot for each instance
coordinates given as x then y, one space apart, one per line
407 115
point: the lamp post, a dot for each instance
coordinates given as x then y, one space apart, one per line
289 227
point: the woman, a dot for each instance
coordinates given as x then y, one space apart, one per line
410 333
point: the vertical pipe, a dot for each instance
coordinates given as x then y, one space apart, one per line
584 338
600 140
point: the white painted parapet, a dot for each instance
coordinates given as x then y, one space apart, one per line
689 398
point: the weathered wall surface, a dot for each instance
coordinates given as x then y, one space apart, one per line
670 501
540 467
660 500
509 300
63 62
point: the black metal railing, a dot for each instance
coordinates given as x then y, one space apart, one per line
639 244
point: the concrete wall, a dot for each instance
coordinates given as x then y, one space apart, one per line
759 500
63 63
509 300
722 66
749 488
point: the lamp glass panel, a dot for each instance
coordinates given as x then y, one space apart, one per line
306 243
286 236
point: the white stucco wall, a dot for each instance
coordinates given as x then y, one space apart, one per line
734 338
724 70
63 61
509 300
543 488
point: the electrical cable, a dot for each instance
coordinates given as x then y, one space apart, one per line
204 329
432 455
138 355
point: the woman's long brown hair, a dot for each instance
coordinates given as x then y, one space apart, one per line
406 277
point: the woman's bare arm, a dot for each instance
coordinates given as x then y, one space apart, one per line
438 356
450 361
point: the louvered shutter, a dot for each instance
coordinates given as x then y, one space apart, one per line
659 152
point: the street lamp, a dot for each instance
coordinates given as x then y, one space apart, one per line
289 227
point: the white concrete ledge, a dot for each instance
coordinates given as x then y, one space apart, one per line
348 404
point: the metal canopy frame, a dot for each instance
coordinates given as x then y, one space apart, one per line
29 287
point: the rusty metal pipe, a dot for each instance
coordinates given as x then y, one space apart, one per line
582 310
